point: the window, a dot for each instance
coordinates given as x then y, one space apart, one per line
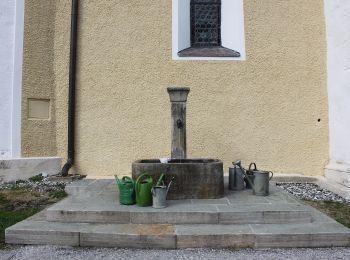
208 29
205 23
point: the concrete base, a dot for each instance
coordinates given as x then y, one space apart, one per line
24 168
339 173
92 216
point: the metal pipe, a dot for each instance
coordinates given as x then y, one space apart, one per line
72 83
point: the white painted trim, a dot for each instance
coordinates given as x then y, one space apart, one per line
232 32
338 72
17 79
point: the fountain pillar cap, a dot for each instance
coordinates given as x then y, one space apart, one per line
178 94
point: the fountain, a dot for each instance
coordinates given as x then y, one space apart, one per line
193 178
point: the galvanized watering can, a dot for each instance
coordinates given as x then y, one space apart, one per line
159 193
250 176
143 188
126 187
261 181
236 176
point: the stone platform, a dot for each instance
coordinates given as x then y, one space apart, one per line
92 216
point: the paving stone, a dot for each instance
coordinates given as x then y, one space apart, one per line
43 233
268 214
214 236
191 214
223 201
86 216
305 235
132 236
77 186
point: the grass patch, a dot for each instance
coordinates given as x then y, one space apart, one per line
58 194
336 210
17 204
36 178
9 218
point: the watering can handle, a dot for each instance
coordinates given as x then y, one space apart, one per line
137 185
271 175
127 178
246 176
250 165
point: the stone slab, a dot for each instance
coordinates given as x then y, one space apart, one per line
194 214
266 217
306 235
214 236
43 233
129 235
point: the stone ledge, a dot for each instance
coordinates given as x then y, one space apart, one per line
179 236
23 168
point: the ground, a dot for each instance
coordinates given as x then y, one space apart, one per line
23 199
50 252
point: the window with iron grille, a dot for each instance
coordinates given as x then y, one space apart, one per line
205 23
206 31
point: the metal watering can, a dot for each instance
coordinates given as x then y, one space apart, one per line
250 175
126 187
236 176
143 188
261 181
159 193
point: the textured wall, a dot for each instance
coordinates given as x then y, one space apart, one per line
265 109
38 136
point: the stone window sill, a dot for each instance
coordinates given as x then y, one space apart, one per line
208 52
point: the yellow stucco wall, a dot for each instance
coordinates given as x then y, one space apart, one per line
264 109
38 136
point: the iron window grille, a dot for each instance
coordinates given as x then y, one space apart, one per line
206 31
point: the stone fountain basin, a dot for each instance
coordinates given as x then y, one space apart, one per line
194 178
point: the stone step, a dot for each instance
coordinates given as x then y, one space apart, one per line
167 236
177 213
97 202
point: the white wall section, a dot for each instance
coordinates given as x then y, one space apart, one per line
11 48
337 14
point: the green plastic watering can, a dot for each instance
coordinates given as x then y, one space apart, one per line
143 187
126 187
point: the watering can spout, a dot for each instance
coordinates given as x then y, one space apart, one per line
238 163
171 181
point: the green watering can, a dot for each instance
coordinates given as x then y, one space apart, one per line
126 187
143 186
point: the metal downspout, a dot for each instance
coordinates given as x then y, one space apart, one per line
72 81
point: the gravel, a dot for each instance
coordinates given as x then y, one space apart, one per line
50 252
44 185
311 191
